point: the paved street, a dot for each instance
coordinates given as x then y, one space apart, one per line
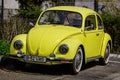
93 71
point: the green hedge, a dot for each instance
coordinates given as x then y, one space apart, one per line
112 26
4 48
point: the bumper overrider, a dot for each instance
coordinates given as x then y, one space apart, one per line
40 59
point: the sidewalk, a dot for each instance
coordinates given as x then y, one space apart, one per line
115 55
115 58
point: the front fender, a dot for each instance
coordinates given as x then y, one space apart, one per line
107 39
73 45
21 37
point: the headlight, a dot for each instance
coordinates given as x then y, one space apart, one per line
63 49
18 44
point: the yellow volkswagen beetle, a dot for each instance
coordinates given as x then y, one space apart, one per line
63 35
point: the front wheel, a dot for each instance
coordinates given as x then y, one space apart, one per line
105 60
77 62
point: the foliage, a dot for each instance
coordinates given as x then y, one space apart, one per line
4 48
30 8
34 11
20 24
112 26
14 26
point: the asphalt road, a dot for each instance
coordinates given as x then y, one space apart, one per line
93 71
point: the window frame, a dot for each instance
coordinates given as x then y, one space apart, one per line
65 16
94 26
101 22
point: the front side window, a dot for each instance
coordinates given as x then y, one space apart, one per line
62 18
90 23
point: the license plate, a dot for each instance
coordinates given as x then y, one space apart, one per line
34 58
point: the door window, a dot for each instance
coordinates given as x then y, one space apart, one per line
90 23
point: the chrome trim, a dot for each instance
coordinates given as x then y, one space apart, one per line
93 58
48 59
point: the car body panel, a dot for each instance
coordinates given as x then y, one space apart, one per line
94 45
46 39
107 39
21 37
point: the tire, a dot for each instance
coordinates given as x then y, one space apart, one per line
18 64
76 66
105 60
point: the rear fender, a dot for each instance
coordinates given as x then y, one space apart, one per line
107 39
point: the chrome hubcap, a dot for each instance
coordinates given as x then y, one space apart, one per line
78 60
107 52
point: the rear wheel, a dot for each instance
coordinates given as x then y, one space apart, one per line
18 64
77 62
105 60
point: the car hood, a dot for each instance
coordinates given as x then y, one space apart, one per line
43 39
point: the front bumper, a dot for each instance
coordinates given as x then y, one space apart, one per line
39 59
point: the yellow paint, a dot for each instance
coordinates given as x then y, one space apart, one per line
42 40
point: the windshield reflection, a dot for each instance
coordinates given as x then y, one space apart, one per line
62 18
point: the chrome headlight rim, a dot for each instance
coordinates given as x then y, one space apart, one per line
63 49
18 44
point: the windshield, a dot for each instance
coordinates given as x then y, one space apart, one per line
61 17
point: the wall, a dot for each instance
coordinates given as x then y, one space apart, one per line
86 3
11 4
10 8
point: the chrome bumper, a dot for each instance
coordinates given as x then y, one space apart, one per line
39 59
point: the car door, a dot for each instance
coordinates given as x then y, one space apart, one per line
91 37
100 32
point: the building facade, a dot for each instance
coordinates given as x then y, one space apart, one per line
10 8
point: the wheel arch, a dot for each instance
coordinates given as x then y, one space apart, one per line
84 58
73 44
75 67
107 39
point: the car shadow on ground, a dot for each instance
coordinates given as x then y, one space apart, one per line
6 64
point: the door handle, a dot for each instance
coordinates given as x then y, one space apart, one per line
97 34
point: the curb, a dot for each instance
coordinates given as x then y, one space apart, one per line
115 55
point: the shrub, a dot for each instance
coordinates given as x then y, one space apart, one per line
14 26
112 26
30 8
4 48
33 11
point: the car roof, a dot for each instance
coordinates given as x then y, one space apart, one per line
81 10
